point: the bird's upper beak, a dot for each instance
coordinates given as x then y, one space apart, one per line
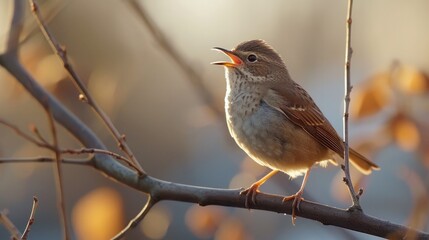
234 58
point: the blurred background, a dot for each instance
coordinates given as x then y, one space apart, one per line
153 87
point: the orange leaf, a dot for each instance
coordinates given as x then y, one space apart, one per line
410 80
373 98
405 132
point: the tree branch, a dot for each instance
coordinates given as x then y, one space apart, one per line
162 190
354 220
30 219
58 173
348 89
137 219
15 27
85 162
101 151
22 134
8 224
85 95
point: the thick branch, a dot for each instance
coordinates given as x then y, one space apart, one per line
67 119
15 27
354 220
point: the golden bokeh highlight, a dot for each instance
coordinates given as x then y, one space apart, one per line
204 221
156 223
104 88
242 180
232 228
50 70
98 215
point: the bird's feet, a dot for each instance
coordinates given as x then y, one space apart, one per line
250 194
295 205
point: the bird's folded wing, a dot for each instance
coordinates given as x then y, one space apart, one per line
300 109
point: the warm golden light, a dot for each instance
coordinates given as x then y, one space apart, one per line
98 215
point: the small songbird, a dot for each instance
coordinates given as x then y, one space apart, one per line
275 121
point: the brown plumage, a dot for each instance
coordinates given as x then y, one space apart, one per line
274 120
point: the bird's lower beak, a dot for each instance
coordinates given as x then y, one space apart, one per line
234 58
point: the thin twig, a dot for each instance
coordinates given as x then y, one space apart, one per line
86 96
137 219
30 219
100 151
22 134
348 89
86 162
58 176
8 224
45 144
194 78
36 131
52 10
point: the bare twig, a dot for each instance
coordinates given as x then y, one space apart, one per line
137 219
62 54
8 224
36 131
194 78
88 162
348 89
100 151
52 9
30 219
58 176
22 134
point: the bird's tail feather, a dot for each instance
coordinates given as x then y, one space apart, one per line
362 163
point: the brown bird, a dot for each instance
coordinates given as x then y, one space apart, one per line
275 121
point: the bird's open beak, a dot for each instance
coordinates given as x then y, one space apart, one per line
234 58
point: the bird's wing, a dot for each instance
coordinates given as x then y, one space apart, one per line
297 105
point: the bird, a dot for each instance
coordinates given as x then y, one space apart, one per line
275 120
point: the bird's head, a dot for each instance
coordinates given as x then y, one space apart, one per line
255 59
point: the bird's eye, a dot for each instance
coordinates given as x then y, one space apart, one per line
252 58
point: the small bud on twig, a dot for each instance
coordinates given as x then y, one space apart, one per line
82 98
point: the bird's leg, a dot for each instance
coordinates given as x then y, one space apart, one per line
297 197
252 190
